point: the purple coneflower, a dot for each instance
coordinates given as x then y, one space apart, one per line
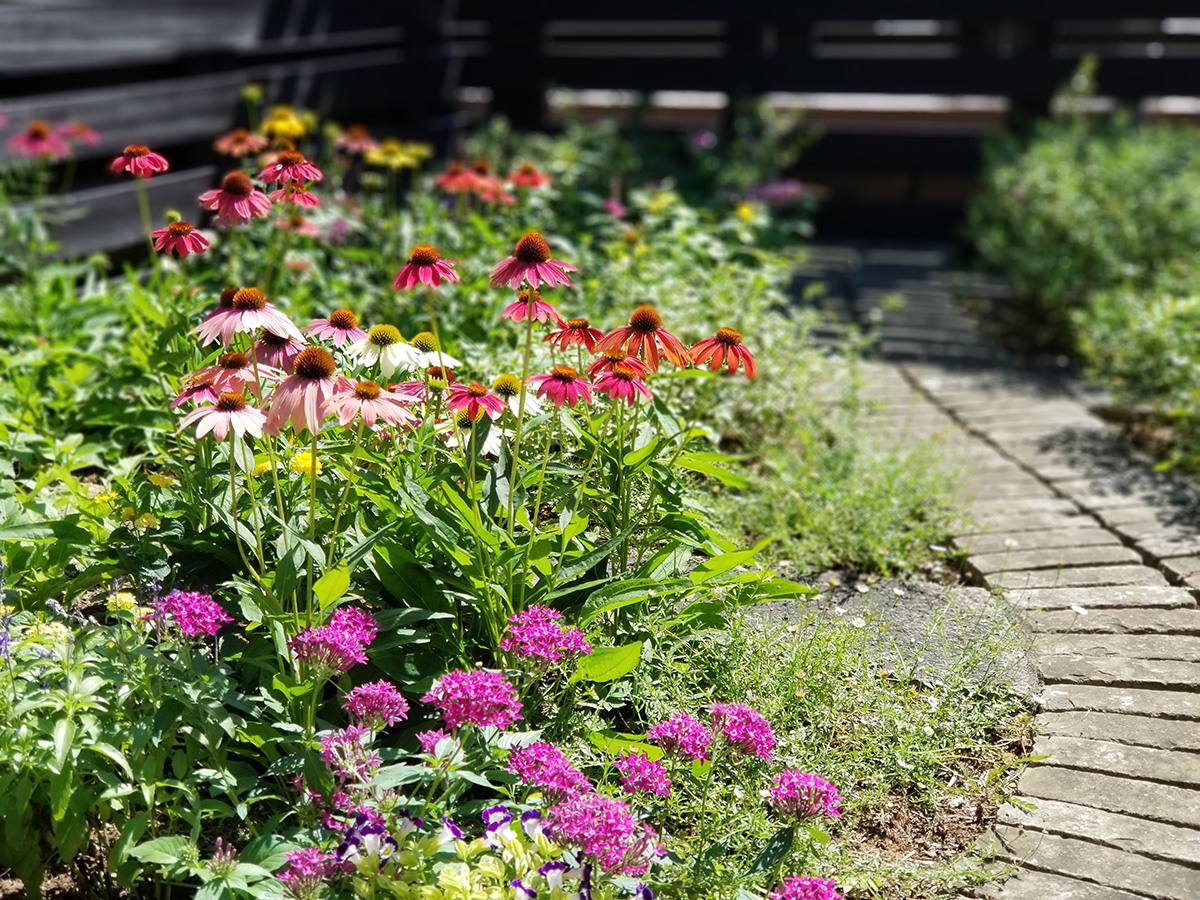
237 200
278 351
725 348
248 311
530 305
531 262
370 401
229 413
341 326
575 331
179 237
562 384
474 397
621 382
289 165
303 397
644 333
425 267
138 159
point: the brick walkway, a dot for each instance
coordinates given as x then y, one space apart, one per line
1104 553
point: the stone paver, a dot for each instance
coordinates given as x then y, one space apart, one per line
998 522
1052 558
1156 802
1144 763
979 545
1084 576
1119 672
1144 731
1028 884
1130 646
1087 598
1185 569
1142 701
1117 621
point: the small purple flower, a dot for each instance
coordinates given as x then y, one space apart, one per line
745 729
193 612
306 871
536 635
376 705
553 872
522 892
543 766
805 887
804 795
475 697
451 829
643 892
346 754
640 774
682 736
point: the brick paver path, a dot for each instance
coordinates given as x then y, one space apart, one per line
1104 554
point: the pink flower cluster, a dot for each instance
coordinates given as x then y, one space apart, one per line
193 612
430 739
376 705
544 766
338 644
639 774
804 795
475 697
347 755
682 736
306 871
745 729
805 887
604 832
537 634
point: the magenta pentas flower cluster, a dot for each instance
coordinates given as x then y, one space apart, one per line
545 767
193 613
639 774
347 755
306 872
536 634
603 832
805 887
682 736
745 729
430 739
376 705
804 795
338 644
475 697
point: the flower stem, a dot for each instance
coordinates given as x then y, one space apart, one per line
346 491
516 442
537 503
312 526
143 201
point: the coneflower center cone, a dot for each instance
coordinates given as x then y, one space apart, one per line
475 389
238 184
314 363
385 335
728 336
532 248
624 372
424 341
226 299
367 390
180 228
233 360
343 318
564 373
249 298
135 150
231 401
290 158
507 385
38 128
645 318
272 339
423 255
577 324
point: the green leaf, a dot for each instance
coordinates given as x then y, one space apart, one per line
615 743
634 457
163 851
393 776
773 851
332 585
704 467
608 663
719 565
626 593
64 734
782 589
267 850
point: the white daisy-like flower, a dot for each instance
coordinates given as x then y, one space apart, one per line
386 346
426 347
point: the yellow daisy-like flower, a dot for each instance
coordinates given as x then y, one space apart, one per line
306 464
261 468
105 497
128 513
745 211
147 521
122 600
392 154
162 479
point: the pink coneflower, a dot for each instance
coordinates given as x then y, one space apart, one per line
562 384
645 330
179 237
341 326
294 192
491 190
355 139
229 413
370 401
80 132
290 165
202 391
138 159
248 311
531 262
240 142
528 175
303 397
234 372
237 200
279 351
621 382
615 208
474 397
426 267
456 178
39 139
530 305
575 331
725 347
609 358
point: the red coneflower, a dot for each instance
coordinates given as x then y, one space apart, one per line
725 347
303 397
576 331
140 160
229 413
294 192
79 131
474 397
530 305
180 237
370 401
426 267
279 351
531 262
355 139
248 311
290 165
645 330
39 139
562 384
621 382
234 372
528 175
341 326
609 358
456 177
240 142
237 200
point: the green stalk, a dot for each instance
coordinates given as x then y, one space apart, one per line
346 492
312 526
537 503
516 442
143 201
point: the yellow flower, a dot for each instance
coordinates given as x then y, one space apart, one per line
147 521
122 600
261 468
127 513
306 464
162 479
106 497
745 211
252 92
392 154
48 633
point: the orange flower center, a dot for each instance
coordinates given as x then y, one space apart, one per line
645 318
179 229
528 169
532 248
628 373
481 166
249 298
233 360
523 295
423 255
357 132
564 373
455 168
271 339
238 184
728 336
227 295
290 158
314 363
135 150
614 356
343 318
475 389
577 324
231 401
367 390
38 129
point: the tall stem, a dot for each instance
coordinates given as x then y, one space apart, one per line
312 526
516 443
143 201
537 503
337 518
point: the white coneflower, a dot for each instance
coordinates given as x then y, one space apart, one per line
385 345
428 354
